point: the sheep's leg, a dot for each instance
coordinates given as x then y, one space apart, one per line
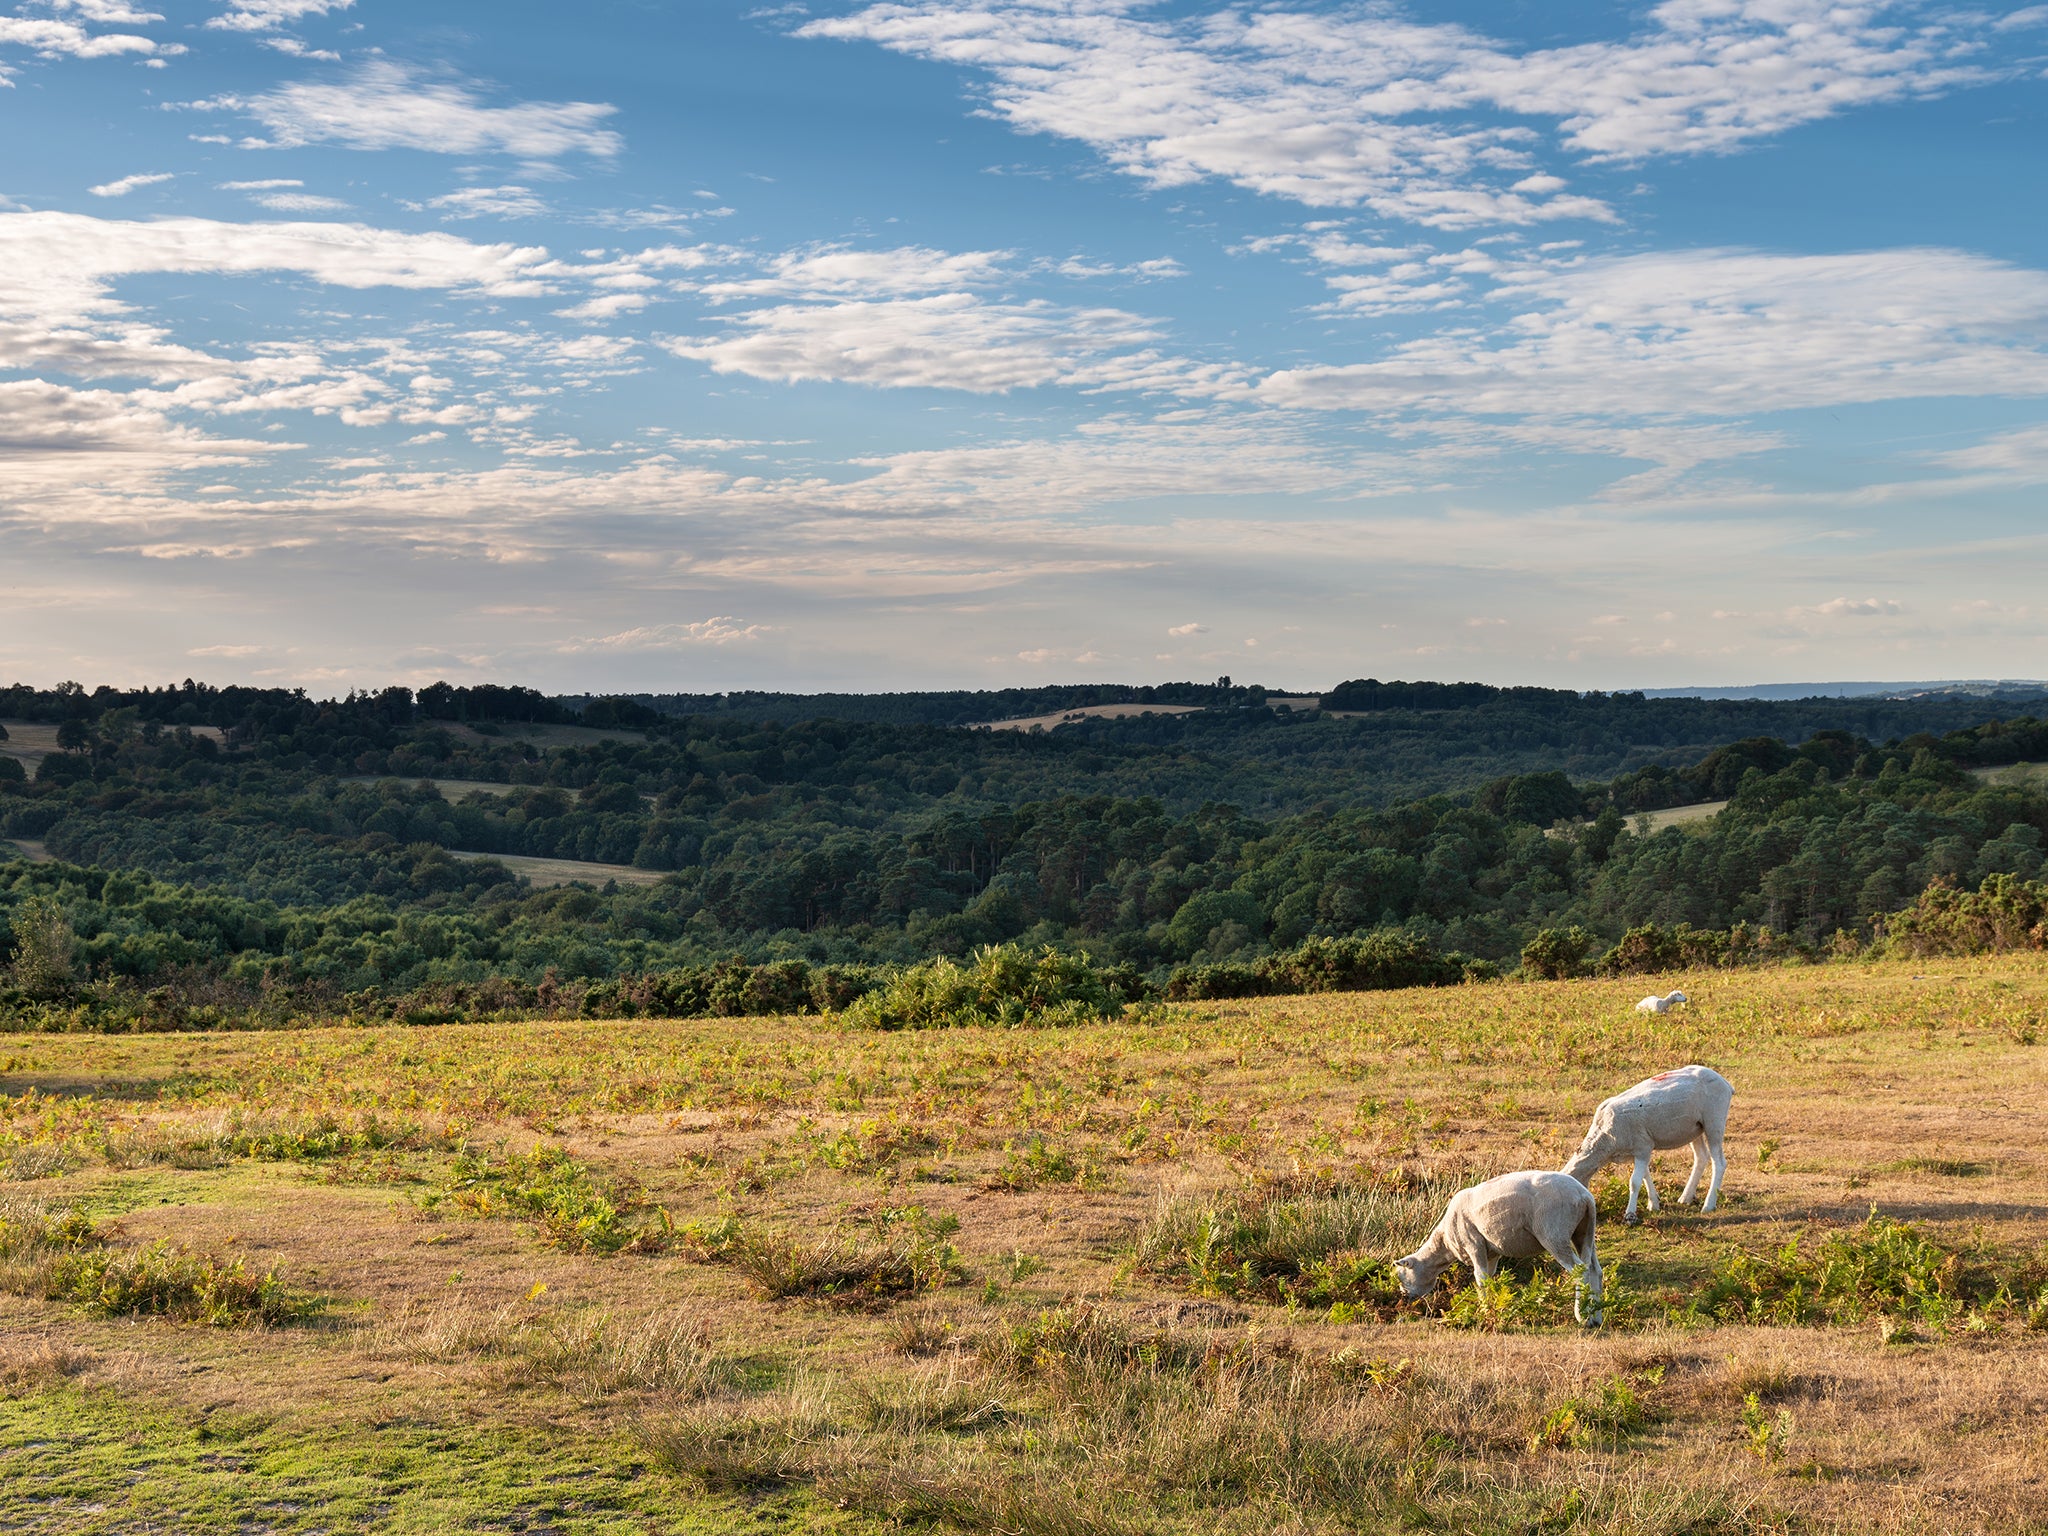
1699 1166
1586 1266
1639 1183
1720 1167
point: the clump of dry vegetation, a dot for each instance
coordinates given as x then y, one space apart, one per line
60 1255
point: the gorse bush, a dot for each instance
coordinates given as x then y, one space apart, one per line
1001 985
1373 962
2004 913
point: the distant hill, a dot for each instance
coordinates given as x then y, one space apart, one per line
1974 688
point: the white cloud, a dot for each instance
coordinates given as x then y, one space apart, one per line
269 184
1419 121
265 15
1714 334
836 272
1154 270
300 202
59 266
508 202
720 630
115 13
387 106
948 341
129 184
1181 631
52 39
1850 608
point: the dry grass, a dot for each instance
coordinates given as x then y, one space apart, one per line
1191 1337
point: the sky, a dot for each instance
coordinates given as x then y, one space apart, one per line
688 346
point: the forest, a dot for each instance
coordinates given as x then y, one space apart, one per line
262 837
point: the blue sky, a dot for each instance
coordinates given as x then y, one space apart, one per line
644 346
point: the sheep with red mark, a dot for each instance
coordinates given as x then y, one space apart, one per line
1686 1107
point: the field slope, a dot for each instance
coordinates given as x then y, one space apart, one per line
775 1275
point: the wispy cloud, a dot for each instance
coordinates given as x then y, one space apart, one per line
129 184
267 15
1366 107
388 106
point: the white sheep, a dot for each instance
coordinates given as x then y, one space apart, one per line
1684 1107
1662 1004
1516 1216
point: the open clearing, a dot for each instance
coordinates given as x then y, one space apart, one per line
30 741
1087 712
2015 774
1073 1338
454 791
1678 815
547 872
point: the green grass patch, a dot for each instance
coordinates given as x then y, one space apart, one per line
128 1466
1880 1269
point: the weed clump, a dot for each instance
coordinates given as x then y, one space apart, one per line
1881 1269
1323 1246
847 1270
568 1204
61 1255
163 1281
1607 1414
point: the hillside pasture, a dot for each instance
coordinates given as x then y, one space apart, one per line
1677 815
543 873
30 741
781 1275
2015 775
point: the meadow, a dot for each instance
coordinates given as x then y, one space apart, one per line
784 1275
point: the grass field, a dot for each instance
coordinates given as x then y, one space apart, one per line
546 872
454 791
778 1276
2035 774
30 741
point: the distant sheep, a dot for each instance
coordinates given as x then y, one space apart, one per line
1662 1004
1685 1107
1516 1216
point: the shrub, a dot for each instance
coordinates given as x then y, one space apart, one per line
1881 1269
1382 960
2004 913
1001 985
45 950
1558 954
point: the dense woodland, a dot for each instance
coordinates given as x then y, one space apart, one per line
306 848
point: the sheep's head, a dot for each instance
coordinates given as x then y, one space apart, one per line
1594 1153
1677 997
1418 1274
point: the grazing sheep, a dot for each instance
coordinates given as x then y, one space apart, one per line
1516 1216
1662 1004
1685 1107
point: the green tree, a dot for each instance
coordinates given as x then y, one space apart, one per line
45 949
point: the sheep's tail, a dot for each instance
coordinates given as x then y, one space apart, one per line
1587 1243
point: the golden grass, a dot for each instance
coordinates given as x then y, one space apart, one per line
1067 1381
